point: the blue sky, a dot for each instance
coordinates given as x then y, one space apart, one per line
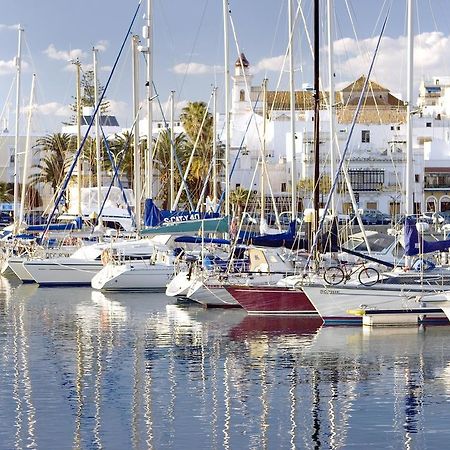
188 44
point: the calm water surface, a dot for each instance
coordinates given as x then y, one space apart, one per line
83 370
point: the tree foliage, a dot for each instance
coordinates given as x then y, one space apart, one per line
87 85
162 162
198 123
56 151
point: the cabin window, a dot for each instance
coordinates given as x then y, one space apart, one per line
242 96
365 136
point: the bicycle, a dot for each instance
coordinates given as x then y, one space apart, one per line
367 276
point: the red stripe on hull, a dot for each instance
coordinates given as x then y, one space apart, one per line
272 300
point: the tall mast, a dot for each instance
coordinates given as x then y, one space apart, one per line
263 156
27 151
79 160
227 107
172 149
316 116
214 152
333 146
148 36
16 140
409 200
136 155
97 134
292 104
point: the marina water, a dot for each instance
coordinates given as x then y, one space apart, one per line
84 370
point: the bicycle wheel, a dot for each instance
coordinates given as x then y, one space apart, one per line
334 275
368 276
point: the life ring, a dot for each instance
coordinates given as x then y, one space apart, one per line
105 256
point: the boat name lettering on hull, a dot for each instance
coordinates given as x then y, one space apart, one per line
329 291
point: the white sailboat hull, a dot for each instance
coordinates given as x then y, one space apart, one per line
64 271
17 267
179 285
340 303
140 276
211 295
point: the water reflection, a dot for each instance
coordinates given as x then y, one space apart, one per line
88 370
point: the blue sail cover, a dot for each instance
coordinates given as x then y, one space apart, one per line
414 245
286 239
153 216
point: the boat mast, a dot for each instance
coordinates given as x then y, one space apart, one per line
333 146
172 150
409 200
97 135
316 117
263 155
227 107
27 151
79 160
16 140
136 154
214 149
292 104
148 35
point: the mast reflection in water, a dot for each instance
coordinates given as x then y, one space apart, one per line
84 370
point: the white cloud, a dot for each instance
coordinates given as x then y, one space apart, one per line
64 55
196 69
272 64
118 108
9 27
51 109
9 67
431 58
102 45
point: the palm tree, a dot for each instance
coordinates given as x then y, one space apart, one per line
5 192
56 151
238 199
195 114
122 149
162 161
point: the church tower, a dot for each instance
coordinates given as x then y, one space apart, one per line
240 93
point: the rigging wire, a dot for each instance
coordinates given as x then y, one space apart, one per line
97 107
341 162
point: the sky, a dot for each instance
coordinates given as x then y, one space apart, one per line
188 48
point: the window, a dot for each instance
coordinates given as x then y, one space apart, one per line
372 205
417 178
238 185
392 128
364 180
365 136
11 159
242 96
283 187
428 124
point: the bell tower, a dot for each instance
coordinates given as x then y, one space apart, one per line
240 100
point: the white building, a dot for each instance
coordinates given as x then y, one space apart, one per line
376 157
